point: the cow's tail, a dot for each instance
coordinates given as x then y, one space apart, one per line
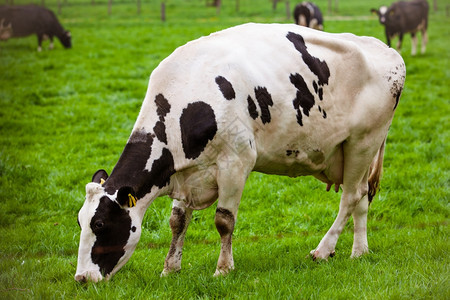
375 170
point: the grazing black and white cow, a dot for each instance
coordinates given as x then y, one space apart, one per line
218 108
405 17
25 20
308 14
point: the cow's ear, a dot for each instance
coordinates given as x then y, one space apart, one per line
100 176
126 196
374 11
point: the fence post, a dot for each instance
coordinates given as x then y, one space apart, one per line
218 5
288 10
109 7
163 11
138 7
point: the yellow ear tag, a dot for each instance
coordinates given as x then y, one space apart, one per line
131 200
102 181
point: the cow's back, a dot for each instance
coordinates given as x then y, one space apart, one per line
30 19
409 16
293 93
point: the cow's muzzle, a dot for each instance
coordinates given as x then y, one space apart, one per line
93 276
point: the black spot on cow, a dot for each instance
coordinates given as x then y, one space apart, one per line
225 87
290 152
323 112
252 108
397 98
304 100
317 90
264 101
321 94
130 169
198 126
133 229
160 172
111 225
224 221
163 106
160 131
318 67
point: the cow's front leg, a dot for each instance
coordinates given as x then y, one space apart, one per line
51 46
179 221
224 221
40 38
231 179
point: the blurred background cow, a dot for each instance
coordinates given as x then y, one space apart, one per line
25 20
405 17
308 14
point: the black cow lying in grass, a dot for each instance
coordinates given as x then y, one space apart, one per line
25 20
405 17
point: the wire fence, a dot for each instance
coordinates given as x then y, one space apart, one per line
330 7
59 5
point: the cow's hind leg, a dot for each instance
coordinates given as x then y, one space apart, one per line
360 244
413 43
424 41
179 221
399 43
353 201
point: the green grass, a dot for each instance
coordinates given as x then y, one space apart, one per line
66 113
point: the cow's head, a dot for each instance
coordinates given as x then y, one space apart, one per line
66 39
110 230
383 13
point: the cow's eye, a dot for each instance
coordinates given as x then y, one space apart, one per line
98 224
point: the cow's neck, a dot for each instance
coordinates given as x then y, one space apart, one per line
145 165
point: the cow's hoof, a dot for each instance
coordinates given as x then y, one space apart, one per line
222 272
167 272
318 255
359 252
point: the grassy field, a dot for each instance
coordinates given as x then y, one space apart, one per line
66 113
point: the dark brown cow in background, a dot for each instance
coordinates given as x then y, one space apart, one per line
405 17
25 20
